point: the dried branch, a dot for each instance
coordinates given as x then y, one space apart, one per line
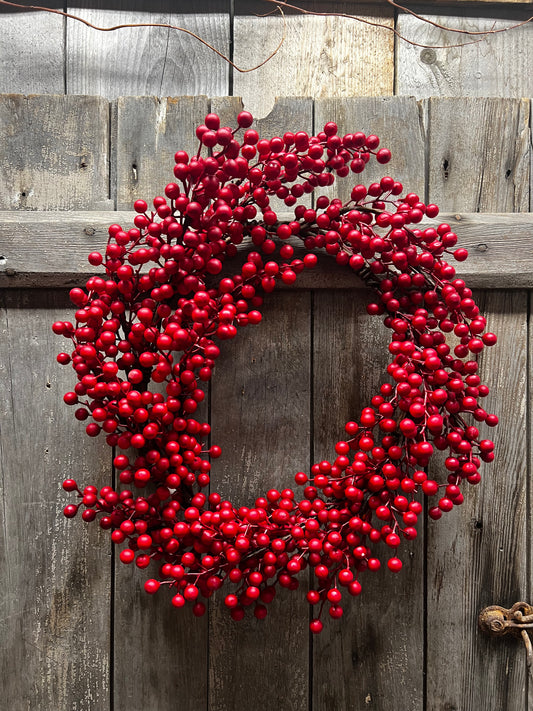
456 29
154 24
481 35
357 18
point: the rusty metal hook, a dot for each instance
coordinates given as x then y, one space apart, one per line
498 621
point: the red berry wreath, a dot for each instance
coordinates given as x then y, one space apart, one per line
148 333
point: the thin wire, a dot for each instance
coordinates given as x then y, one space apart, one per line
154 24
483 34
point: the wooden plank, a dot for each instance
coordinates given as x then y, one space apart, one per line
260 417
50 249
477 553
529 493
372 634
287 114
318 57
483 170
55 152
482 560
398 121
54 621
32 52
58 590
260 413
499 65
149 132
450 3
170 647
377 647
148 60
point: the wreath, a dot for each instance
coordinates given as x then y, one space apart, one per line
149 330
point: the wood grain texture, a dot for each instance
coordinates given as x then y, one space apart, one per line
321 56
148 60
149 132
529 492
50 249
287 114
32 52
55 152
54 622
480 557
375 644
477 553
398 121
57 625
170 648
160 653
374 647
260 415
500 65
481 170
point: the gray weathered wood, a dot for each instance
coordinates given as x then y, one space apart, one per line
529 514
50 249
56 626
167 647
373 647
372 634
398 121
149 132
32 52
287 114
55 617
170 647
479 558
500 65
320 56
483 170
148 60
477 553
55 152
260 408
260 415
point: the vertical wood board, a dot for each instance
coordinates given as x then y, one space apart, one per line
260 409
55 572
168 645
55 152
477 553
260 414
288 114
32 52
55 156
320 56
148 60
481 170
398 121
373 648
480 558
149 132
497 64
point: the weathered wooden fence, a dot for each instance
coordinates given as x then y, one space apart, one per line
320 57
76 630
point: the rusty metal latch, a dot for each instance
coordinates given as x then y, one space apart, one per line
498 621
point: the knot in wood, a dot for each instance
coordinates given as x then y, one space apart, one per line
428 56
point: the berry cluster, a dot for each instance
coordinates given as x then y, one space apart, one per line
147 337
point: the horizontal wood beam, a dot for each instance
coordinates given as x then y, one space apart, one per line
49 249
